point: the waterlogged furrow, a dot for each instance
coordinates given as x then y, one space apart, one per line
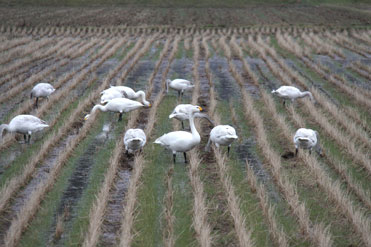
288 43
98 209
46 106
13 184
350 146
28 210
127 235
35 78
316 232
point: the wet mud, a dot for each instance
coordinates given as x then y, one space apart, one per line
113 217
342 70
79 180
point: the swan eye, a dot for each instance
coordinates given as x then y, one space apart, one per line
200 108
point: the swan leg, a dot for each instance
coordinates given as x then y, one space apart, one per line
296 151
174 156
25 138
182 125
29 138
37 99
120 116
284 102
185 158
229 149
310 151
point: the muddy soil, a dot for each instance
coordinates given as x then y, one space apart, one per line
79 180
41 173
341 70
14 102
222 15
112 220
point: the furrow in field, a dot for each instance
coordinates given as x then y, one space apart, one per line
344 141
317 233
115 180
128 236
27 211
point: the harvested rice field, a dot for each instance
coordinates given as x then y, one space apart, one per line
74 184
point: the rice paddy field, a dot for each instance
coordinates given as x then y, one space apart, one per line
73 185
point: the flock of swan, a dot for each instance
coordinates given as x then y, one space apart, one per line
121 99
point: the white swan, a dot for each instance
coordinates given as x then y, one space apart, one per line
131 94
24 124
306 139
119 105
179 85
42 90
180 113
110 94
289 92
182 141
134 139
222 135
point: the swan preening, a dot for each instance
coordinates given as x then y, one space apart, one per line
222 135
305 139
122 91
182 141
134 140
179 85
42 90
180 113
24 124
119 105
292 93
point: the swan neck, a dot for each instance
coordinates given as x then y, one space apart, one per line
2 128
307 93
143 97
193 127
98 107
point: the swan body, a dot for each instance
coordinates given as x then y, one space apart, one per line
179 85
110 94
292 93
131 94
24 124
119 105
305 139
222 135
180 113
42 90
134 139
182 141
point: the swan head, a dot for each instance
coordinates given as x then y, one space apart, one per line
273 91
195 109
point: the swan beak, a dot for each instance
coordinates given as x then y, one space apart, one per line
86 117
200 108
149 105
